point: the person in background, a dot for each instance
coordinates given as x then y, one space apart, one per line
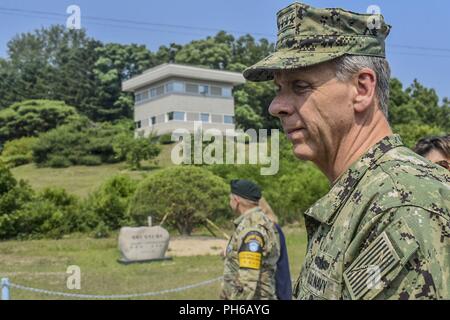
283 280
253 250
435 149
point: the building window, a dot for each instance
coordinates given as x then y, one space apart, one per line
216 91
228 119
204 117
174 86
153 92
202 89
152 121
141 96
179 116
191 88
226 92
138 124
169 116
178 86
159 90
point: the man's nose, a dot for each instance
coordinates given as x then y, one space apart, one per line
280 107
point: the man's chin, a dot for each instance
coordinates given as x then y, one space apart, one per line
301 152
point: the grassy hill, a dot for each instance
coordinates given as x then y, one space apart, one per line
81 180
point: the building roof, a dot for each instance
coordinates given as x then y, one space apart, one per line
167 70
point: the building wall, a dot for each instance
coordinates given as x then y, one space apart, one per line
169 127
181 102
191 105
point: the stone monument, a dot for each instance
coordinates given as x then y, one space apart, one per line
143 244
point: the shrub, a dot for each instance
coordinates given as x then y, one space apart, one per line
58 161
31 117
166 139
15 198
7 180
35 219
79 143
18 152
90 160
110 202
101 231
188 194
13 194
49 214
135 150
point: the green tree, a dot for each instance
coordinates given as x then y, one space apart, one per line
255 98
208 52
417 106
110 202
117 63
247 51
81 142
9 88
411 133
136 150
55 63
18 152
31 117
187 194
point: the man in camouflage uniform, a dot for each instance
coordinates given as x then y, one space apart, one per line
383 230
254 248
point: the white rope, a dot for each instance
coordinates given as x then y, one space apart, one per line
114 296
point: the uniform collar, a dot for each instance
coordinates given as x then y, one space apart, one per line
325 210
238 220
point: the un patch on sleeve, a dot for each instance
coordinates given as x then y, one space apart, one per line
366 272
250 252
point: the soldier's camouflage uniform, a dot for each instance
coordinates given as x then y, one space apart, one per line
251 258
383 231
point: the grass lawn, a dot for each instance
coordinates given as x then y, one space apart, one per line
82 180
43 263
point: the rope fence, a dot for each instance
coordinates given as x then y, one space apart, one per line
6 286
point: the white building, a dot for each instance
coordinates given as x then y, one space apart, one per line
172 96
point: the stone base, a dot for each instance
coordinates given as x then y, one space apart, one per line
122 261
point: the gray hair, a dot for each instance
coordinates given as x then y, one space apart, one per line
348 65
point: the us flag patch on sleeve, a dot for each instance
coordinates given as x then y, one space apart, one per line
366 272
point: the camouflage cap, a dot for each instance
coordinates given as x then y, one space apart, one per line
308 36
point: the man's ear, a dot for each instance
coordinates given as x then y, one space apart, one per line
365 82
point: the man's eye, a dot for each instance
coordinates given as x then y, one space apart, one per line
302 86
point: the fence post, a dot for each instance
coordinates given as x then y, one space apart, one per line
5 289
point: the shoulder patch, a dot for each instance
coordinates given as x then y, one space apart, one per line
250 252
366 272
381 262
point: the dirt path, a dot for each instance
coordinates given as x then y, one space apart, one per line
195 246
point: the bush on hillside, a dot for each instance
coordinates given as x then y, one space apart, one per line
188 194
79 143
18 152
31 117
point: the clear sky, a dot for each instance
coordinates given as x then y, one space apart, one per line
418 47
